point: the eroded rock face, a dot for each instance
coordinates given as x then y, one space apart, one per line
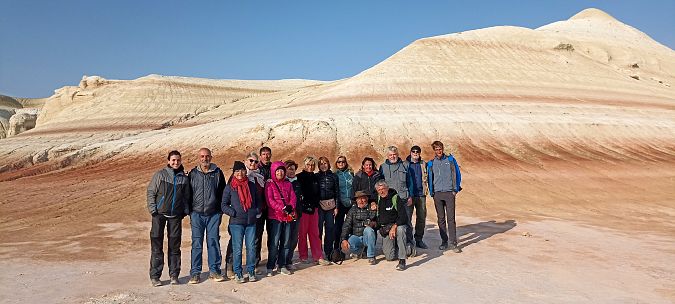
92 81
5 114
22 121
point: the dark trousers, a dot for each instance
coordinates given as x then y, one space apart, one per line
327 220
259 229
292 240
174 229
278 235
420 208
445 209
339 221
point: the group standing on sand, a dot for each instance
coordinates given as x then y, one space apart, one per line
339 212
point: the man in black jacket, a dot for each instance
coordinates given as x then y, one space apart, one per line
358 229
168 199
207 182
392 220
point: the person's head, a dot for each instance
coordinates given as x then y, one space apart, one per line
341 163
415 152
265 155
361 199
438 148
368 165
392 154
278 169
324 164
310 164
204 157
239 170
252 161
174 160
382 188
291 167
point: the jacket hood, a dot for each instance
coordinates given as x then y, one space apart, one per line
212 167
273 169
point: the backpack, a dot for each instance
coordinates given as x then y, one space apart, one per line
337 256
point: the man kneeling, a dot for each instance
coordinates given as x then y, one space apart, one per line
391 220
358 230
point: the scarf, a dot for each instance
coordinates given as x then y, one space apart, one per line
241 186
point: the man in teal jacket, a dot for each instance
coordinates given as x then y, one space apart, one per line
444 181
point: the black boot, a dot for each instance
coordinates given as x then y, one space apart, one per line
401 265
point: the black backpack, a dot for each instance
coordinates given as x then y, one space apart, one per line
337 256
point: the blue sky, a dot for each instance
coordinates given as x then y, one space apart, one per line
45 45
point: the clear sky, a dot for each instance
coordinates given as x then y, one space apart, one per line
45 45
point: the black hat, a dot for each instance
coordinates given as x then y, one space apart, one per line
416 147
238 166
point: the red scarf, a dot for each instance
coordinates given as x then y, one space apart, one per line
244 192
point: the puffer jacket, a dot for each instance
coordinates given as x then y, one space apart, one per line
413 182
207 189
396 175
278 193
345 178
231 205
169 193
365 183
310 190
328 185
356 221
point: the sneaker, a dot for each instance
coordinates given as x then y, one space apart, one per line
155 282
270 272
285 271
217 277
443 246
323 262
371 261
194 279
252 277
401 265
229 272
420 244
239 279
411 250
174 280
291 267
455 249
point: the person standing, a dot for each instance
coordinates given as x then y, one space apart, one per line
265 162
241 202
207 182
291 167
417 178
365 179
309 222
444 183
168 200
345 202
328 198
281 202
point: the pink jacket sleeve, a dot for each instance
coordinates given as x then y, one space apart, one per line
289 189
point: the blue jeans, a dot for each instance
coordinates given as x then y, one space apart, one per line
292 241
327 220
241 233
210 223
368 239
278 236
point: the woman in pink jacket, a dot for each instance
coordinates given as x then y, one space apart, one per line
281 203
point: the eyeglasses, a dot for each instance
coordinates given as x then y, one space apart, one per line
415 151
253 161
341 162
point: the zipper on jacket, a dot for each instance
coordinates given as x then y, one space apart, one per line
159 205
173 201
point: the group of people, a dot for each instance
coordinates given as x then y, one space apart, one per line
336 211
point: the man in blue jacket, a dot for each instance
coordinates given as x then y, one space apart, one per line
444 181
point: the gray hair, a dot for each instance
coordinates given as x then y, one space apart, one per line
392 149
252 154
309 159
381 183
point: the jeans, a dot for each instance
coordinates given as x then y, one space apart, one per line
445 209
210 223
420 206
327 220
278 236
174 228
397 246
292 241
368 239
241 234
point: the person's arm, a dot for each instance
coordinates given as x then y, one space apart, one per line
430 177
221 184
153 188
347 225
458 175
226 203
293 200
187 208
272 203
402 217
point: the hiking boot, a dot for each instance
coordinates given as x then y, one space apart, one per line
217 277
401 265
155 282
455 249
270 272
194 279
443 246
291 267
323 262
252 277
285 271
411 250
239 279
420 244
372 261
174 280
229 272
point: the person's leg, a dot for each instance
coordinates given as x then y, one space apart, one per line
320 223
401 241
213 242
439 203
284 243
409 212
313 233
228 254
355 244
156 244
197 226
175 230
259 229
452 225
339 221
329 236
237 233
369 240
292 241
389 248
302 237
421 217
249 234
273 234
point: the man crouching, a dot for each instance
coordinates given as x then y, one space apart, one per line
391 220
358 229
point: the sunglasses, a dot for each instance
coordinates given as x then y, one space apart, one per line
253 161
341 162
415 151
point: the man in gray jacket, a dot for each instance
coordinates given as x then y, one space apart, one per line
168 201
207 182
445 180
